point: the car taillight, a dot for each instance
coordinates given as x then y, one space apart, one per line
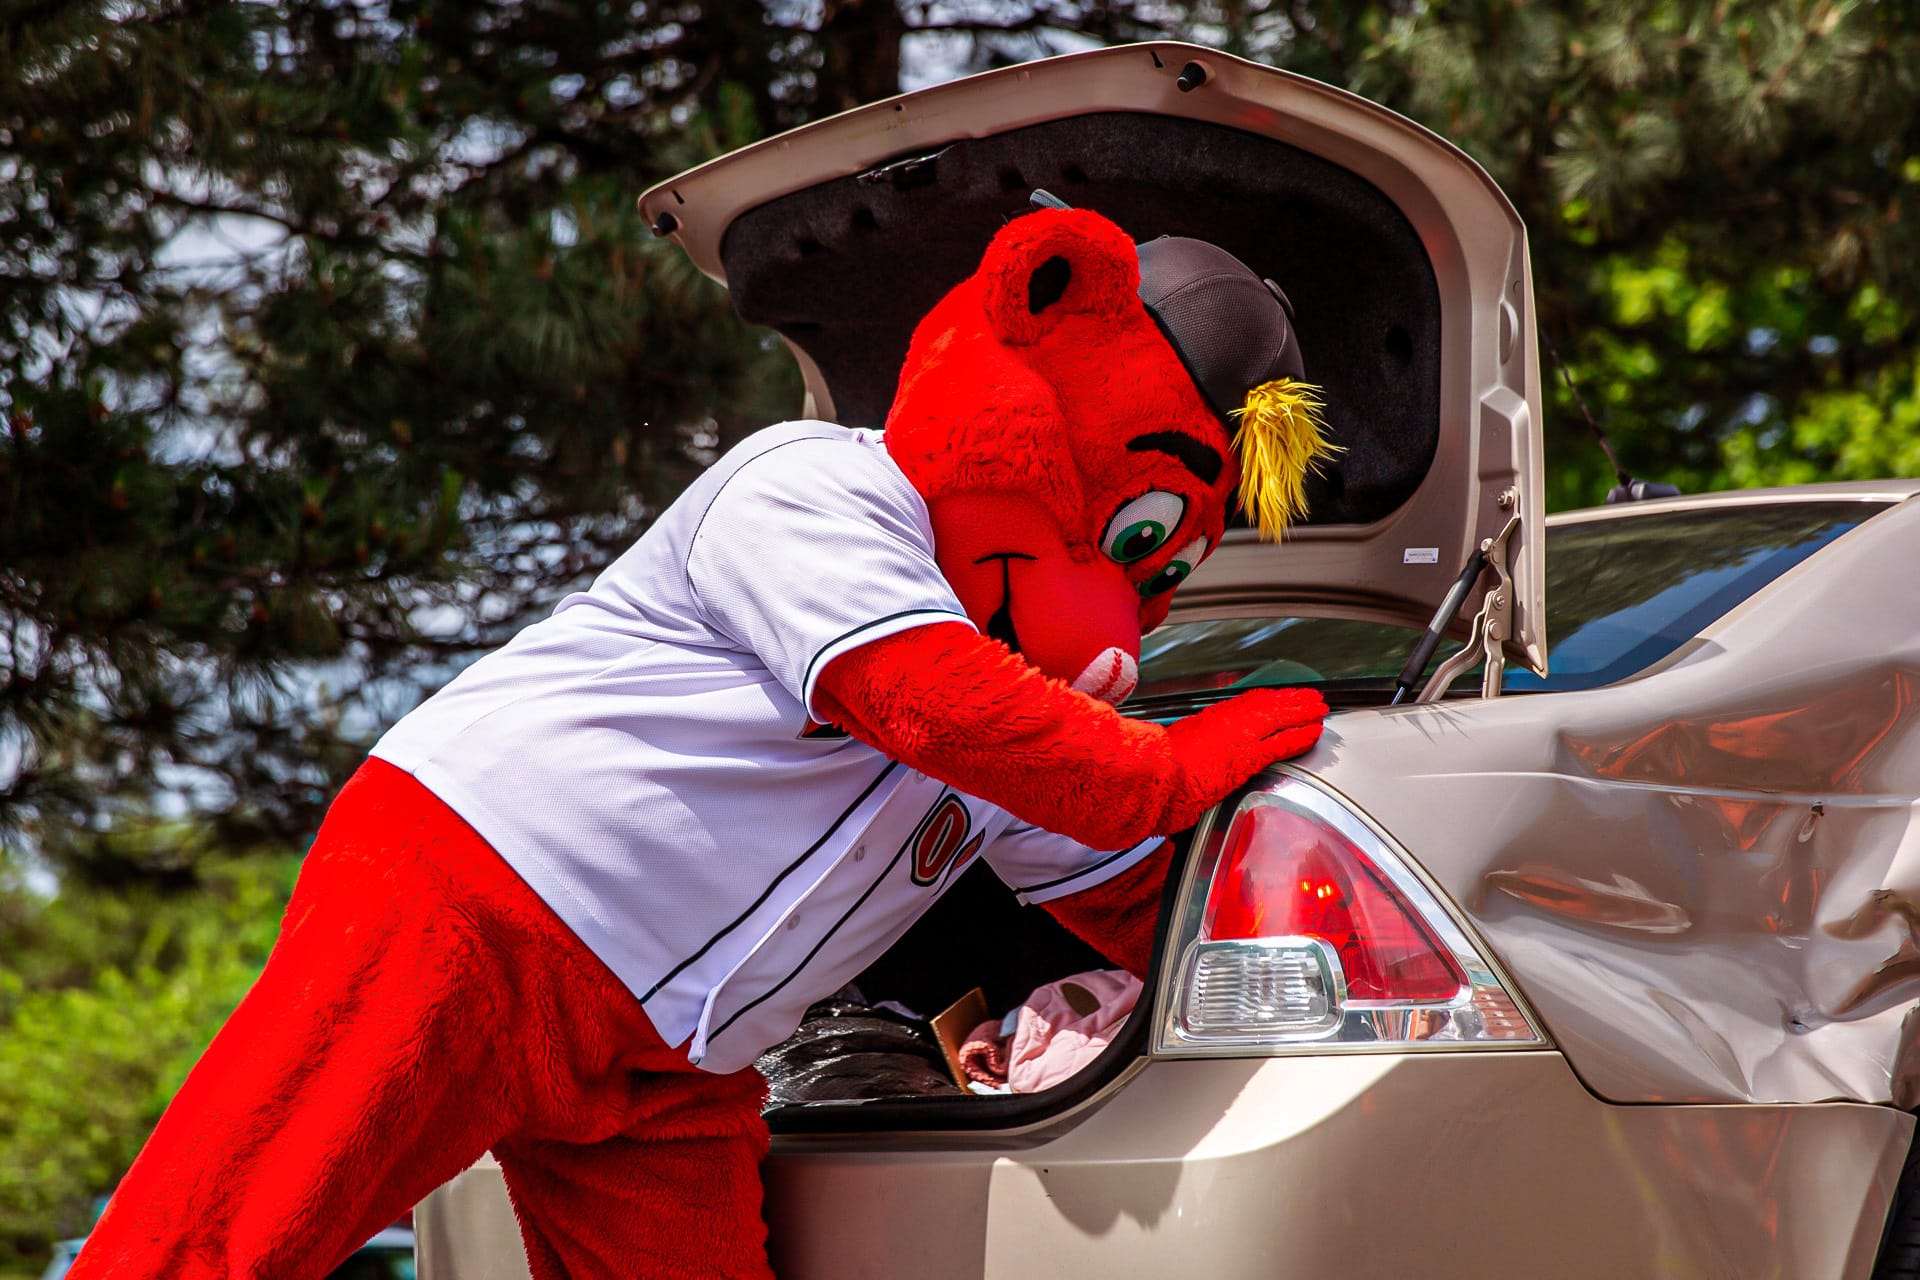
1303 927
1288 874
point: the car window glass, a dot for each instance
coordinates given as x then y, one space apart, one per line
1184 657
376 1264
1621 595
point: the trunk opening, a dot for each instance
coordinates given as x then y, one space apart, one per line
979 936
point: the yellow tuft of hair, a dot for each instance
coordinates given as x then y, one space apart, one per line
1281 441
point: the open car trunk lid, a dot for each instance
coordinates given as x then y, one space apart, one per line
1407 269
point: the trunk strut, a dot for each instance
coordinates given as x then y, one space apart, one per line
1491 626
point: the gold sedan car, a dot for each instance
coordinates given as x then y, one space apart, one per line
1605 967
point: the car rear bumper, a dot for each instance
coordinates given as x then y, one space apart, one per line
1436 1164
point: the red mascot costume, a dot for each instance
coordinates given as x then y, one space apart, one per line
578 891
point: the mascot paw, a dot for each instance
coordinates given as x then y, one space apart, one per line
1221 747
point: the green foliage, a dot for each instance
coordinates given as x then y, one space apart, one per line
106 999
1716 194
1845 434
315 318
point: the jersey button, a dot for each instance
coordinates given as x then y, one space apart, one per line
793 922
859 852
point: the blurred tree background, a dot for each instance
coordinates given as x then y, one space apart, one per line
332 350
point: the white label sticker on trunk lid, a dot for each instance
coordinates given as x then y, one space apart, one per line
1421 555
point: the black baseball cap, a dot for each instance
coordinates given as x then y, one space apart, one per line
1232 329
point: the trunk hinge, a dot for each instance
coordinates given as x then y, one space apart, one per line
1491 626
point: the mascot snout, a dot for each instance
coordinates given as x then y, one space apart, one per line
1074 616
1078 620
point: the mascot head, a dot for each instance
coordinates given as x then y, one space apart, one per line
1078 414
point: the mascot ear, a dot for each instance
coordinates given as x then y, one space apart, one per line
1056 263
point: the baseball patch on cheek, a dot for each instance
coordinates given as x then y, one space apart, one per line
1110 677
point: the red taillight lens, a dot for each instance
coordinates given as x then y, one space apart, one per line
1285 873
1306 931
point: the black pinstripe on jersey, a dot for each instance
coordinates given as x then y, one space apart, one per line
766 893
1082 872
845 916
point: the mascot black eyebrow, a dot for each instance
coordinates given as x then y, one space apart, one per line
574 894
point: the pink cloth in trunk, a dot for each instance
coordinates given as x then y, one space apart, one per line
1061 1028
1067 1024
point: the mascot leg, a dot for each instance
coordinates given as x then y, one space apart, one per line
421 1006
677 1195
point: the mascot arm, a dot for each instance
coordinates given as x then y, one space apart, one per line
965 709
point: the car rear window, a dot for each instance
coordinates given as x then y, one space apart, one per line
1621 595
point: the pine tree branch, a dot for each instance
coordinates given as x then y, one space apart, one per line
354 239
1771 90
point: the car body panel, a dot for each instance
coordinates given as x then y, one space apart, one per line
1419 1165
1486 467
1705 879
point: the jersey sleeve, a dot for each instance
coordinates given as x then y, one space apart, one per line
814 548
1040 866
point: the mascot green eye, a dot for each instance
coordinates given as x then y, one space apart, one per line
1177 569
1143 526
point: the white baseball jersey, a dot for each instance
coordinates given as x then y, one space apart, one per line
645 760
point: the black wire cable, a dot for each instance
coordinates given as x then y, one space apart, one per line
1629 489
1606 446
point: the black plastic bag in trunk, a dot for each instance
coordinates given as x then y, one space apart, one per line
846 1049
